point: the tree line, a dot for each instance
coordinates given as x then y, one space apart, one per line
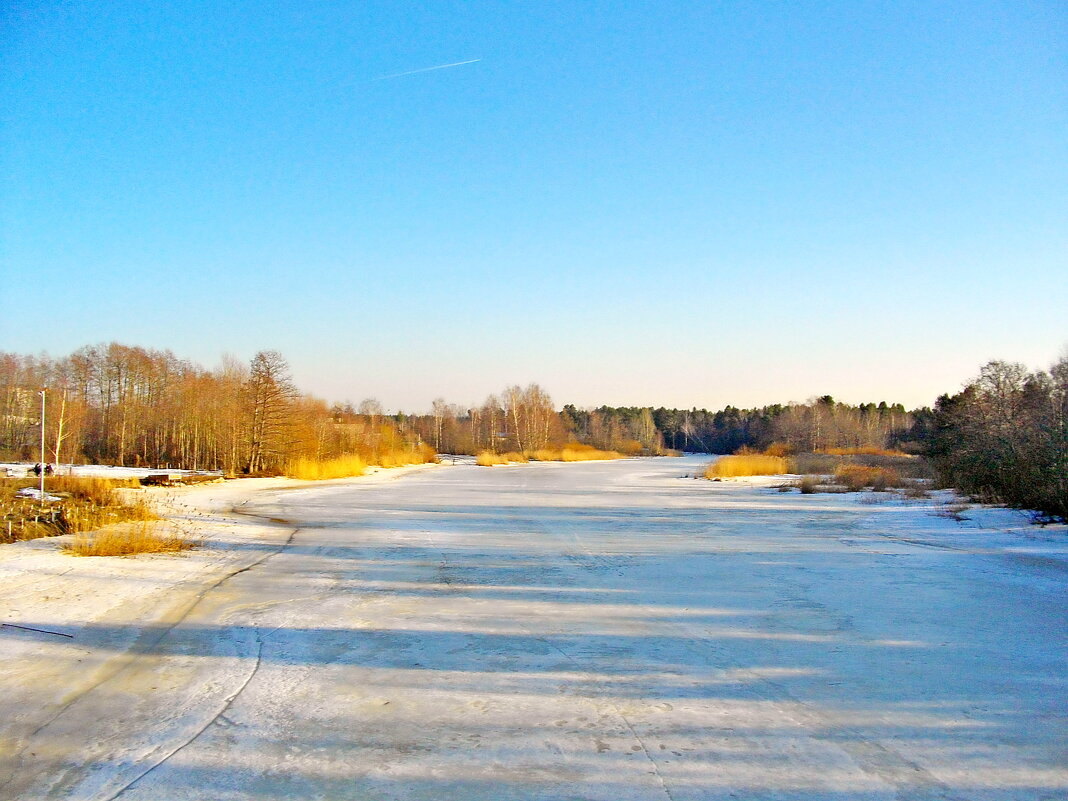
120 405
524 420
820 424
1004 437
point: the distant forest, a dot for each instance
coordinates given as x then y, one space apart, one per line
820 424
1003 438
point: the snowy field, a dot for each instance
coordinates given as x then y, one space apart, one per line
547 631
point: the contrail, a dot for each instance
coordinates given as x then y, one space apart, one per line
427 69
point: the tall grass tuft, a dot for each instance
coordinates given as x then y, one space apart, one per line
749 464
126 540
309 469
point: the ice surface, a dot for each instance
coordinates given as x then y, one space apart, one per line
554 631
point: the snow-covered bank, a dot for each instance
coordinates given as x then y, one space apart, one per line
21 469
48 600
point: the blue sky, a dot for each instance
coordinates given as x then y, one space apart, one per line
688 204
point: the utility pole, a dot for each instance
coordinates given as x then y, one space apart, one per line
43 462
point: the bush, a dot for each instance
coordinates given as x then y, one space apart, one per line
1004 438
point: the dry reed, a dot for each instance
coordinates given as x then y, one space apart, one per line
746 465
126 540
857 477
571 452
491 459
574 452
84 504
308 469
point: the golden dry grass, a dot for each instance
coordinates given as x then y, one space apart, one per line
574 452
746 465
84 504
307 469
399 458
126 540
489 458
311 469
90 516
571 452
100 491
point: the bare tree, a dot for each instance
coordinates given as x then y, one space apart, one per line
269 395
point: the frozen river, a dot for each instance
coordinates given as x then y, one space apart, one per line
567 631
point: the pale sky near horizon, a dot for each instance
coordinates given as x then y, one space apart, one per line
684 204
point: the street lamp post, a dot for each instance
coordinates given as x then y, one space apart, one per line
43 462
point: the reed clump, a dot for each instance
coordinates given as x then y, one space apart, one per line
828 464
401 457
489 459
746 464
311 469
574 452
857 477
577 452
127 540
74 505
571 452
